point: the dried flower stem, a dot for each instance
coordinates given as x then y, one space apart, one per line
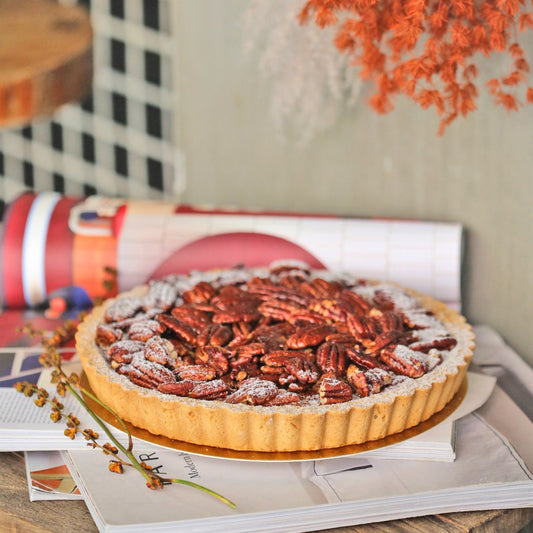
71 383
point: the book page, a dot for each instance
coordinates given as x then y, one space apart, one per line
498 464
20 412
254 487
22 364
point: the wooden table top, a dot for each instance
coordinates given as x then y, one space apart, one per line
45 58
18 514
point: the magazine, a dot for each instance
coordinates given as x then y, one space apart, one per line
49 477
310 495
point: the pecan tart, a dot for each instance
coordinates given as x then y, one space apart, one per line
282 358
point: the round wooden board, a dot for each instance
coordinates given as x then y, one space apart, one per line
45 58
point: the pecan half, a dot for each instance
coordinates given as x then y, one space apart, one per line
341 338
404 361
123 350
137 377
241 334
388 320
216 389
304 371
253 348
442 343
277 358
236 315
243 371
271 371
329 309
305 315
276 310
254 391
377 379
309 336
333 390
270 291
284 397
291 278
106 335
202 292
364 360
180 328
367 382
358 303
122 308
215 335
154 371
326 289
192 316
159 350
180 388
216 357
144 329
230 296
196 373
357 326
384 301
161 295
356 378
331 357
181 347
382 340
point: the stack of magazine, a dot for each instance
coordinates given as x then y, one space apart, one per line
478 458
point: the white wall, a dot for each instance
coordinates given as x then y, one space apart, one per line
478 174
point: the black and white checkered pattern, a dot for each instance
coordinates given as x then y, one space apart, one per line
119 140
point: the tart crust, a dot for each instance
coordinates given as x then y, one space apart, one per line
281 428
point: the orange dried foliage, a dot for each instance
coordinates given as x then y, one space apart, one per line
425 49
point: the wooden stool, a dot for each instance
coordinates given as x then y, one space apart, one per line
45 58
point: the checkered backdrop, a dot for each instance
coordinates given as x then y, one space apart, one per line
120 140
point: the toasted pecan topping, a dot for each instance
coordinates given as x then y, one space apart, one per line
285 337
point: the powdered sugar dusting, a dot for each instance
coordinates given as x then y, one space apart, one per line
406 355
259 387
123 308
161 295
379 373
151 369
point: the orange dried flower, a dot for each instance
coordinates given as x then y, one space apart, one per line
116 467
425 49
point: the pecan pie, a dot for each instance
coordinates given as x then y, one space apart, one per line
283 358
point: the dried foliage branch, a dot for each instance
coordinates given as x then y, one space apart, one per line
311 83
122 456
428 49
